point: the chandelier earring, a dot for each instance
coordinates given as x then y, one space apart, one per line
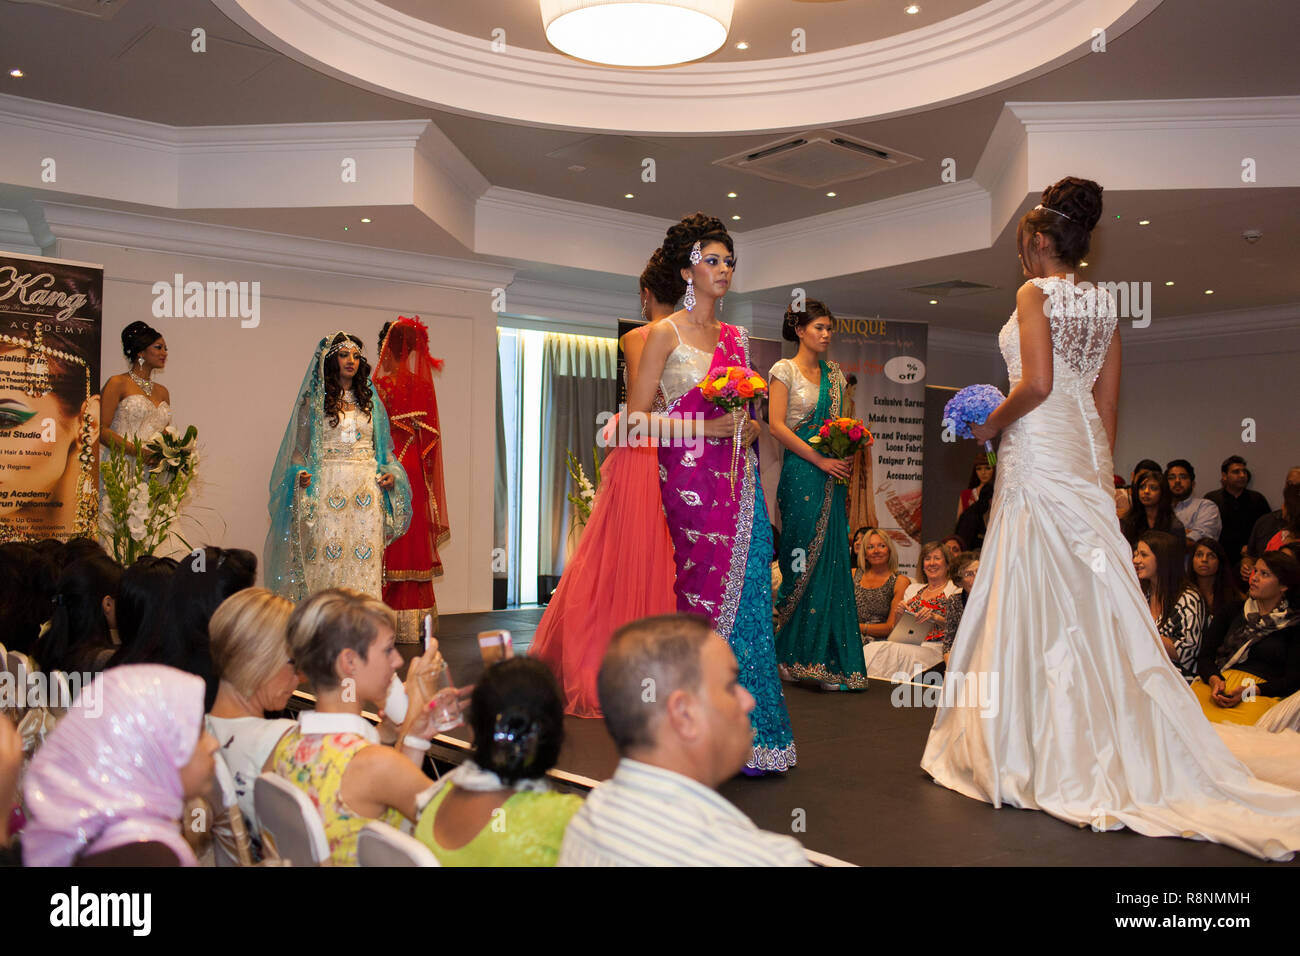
644 317
689 299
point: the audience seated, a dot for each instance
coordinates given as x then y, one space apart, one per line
1125 496
179 635
1279 527
877 586
974 521
79 638
1253 646
1176 605
1214 577
344 643
1239 506
925 599
964 569
27 578
256 676
141 595
497 809
11 767
953 545
1199 516
108 786
1153 509
680 718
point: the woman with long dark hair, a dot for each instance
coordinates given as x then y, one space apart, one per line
79 638
1213 576
1153 508
1176 606
339 495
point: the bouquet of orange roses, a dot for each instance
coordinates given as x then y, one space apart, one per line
841 438
731 387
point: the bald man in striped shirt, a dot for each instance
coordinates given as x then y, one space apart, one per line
673 702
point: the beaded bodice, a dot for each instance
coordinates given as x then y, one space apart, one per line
353 437
137 417
685 368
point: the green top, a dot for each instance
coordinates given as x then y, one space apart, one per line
526 830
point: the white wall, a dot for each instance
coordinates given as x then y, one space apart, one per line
237 386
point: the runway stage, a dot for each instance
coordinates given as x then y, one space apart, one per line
858 790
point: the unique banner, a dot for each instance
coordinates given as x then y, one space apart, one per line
884 361
50 324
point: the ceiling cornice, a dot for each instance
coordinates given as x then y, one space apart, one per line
375 47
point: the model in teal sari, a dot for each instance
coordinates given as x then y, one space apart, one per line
816 618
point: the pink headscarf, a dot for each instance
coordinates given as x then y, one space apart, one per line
108 774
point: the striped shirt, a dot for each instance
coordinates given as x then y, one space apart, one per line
649 816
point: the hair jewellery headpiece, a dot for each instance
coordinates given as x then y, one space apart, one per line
516 737
1057 211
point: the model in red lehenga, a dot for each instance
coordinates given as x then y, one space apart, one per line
404 381
623 567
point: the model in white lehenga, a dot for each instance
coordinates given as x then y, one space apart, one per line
1088 719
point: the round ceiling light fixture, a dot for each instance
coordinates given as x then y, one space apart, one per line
637 32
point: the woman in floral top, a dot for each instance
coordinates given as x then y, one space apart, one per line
344 644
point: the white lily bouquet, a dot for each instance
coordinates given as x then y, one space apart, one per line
585 489
144 489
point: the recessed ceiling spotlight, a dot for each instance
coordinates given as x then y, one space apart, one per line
731 195
742 45
628 196
16 73
1144 222
1209 292
577 169
1083 264
365 219
911 8
934 301
1169 283
735 217
830 195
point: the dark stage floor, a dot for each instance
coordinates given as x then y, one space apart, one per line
858 790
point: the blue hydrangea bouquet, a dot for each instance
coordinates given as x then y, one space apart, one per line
972 405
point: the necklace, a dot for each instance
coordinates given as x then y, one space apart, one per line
146 386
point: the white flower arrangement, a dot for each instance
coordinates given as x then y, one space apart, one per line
144 488
586 490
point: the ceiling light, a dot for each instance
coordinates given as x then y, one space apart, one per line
830 195
742 45
366 219
17 74
577 169
934 301
912 9
1169 283
1144 222
735 217
731 195
1209 292
1083 263
628 196
632 33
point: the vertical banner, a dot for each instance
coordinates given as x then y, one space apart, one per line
50 315
884 362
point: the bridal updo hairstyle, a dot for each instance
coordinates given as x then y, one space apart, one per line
334 387
661 280
682 237
518 719
137 337
799 320
1080 200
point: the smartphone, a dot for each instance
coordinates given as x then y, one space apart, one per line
495 646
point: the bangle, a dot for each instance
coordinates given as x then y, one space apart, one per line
417 743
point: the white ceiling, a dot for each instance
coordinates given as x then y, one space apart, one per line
139 64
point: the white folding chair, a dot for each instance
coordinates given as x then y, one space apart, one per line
382 845
291 827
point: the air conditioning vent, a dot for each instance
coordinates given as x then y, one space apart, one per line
817 158
950 289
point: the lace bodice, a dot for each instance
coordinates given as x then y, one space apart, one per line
137 417
1082 322
685 368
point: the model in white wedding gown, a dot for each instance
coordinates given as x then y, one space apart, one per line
138 417
1087 719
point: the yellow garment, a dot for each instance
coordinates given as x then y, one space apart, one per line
315 764
1247 712
526 830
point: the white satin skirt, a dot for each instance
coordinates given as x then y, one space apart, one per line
1060 695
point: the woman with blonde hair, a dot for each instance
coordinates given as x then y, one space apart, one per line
877 586
250 656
